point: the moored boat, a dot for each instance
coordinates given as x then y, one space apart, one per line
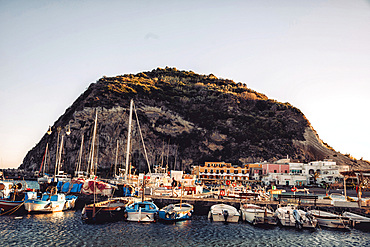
14 203
330 220
50 203
176 212
291 216
142 212
358 221
223 213
109 210
255 214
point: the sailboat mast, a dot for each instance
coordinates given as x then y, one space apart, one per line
93 145
46 156
115 164
142 140
78 167
56 155
60 154
129 138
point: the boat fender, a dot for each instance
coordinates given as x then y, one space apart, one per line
118 209
222 192
167 215
234 184
189 214
228 182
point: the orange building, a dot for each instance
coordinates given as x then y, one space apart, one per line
216 172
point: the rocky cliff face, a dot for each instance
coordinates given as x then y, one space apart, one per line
185 119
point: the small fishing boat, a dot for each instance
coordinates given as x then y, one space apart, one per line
142 212
12 197
255 215
358 221
223 213
14 203
109 210
50 203
291 216
176 212
330 220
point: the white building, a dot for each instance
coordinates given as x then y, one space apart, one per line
285 179
324 171
301 174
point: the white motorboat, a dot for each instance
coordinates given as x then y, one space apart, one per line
330 220
50 203
223 213
358 221
255 214
291 216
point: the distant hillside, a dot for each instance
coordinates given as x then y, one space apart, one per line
186 119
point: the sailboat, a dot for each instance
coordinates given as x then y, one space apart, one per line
59 176
143 211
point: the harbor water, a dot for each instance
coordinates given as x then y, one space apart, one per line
67 229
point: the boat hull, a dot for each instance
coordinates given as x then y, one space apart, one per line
142 212
176 213
11 207
50 206
329 220
221 218
43 206
223 213
141 216
286 218
106 211
258 216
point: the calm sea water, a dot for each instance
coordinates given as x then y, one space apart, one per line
67 229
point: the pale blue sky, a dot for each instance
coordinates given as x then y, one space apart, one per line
313 54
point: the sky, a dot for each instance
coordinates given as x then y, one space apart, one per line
313 54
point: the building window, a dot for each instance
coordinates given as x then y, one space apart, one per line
211 170
205 170
235 171
275 171
228 171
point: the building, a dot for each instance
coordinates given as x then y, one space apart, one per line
218 172
284 172
326 171
255 171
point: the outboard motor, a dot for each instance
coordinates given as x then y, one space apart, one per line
226 214
298 219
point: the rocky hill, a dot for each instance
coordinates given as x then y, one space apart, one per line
186 119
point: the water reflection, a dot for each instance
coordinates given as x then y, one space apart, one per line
67 229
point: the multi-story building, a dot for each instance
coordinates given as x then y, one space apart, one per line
255 171
217 172
324 171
